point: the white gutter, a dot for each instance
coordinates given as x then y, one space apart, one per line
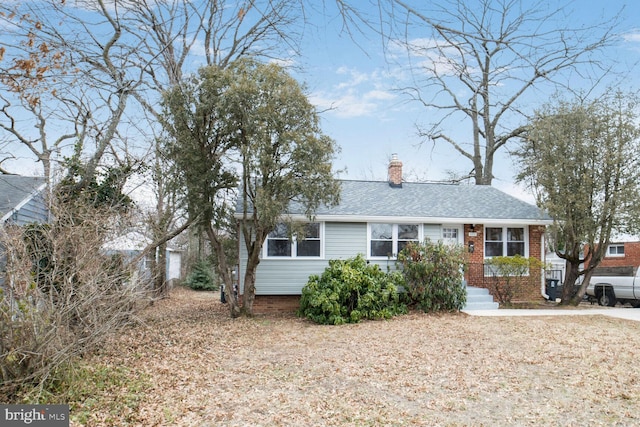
417 220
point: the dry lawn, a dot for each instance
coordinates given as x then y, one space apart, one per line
203 369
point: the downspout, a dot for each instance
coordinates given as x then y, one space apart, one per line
543 256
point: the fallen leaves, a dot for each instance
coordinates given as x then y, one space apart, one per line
209 370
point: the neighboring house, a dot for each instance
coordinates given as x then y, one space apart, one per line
622 252
377 219
131 244
22 200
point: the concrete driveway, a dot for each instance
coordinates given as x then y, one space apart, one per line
628 313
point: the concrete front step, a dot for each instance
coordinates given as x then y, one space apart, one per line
479 299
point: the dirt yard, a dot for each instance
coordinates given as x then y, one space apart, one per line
203 369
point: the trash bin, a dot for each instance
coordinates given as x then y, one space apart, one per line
552 286
223 298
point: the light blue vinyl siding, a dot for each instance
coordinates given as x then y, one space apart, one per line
287 276
342 240
34 211
433 232
345 239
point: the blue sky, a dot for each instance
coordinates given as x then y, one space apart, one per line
370 120
353 84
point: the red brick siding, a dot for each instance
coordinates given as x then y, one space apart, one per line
276 304
529 291
631 256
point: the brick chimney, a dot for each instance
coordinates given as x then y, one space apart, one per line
395 171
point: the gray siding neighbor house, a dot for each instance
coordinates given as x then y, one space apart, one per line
378 218
22 200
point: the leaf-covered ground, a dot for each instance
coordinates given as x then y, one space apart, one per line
201 368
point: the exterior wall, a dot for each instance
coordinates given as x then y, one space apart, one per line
283 304
631 256
35 210
287 276
174 265
475 276
280 281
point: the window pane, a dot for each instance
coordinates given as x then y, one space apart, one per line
309 248
382 231
494 234
278 247
515 234
407 232
493 249
281 231
616 250
381 248
515 248
450 233
312 231
403 244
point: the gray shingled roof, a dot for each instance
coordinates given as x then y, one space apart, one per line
428 200
15 189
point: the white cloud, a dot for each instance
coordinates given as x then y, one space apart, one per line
632 37
356 94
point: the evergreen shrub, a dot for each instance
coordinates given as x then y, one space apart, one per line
201 277
351 290
433 275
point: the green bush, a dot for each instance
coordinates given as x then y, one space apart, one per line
351 290
511 273
433 275
201 277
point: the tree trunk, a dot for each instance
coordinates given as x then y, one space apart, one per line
224 272
160 272
573 273
249 294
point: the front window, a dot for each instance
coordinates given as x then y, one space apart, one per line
504 241
386 240
281 242
310 245
278 241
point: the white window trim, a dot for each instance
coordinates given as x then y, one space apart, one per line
394 239
610 255
294 255
504 242
460 232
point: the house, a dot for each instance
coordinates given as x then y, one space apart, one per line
132 243
377 218
22 200
622 252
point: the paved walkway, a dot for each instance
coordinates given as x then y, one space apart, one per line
628 313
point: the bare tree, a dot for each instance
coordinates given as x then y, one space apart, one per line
475 63
113 59
60 295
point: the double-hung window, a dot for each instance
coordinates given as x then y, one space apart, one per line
504 241
282 243
386 240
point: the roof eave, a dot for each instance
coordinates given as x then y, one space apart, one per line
421 220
